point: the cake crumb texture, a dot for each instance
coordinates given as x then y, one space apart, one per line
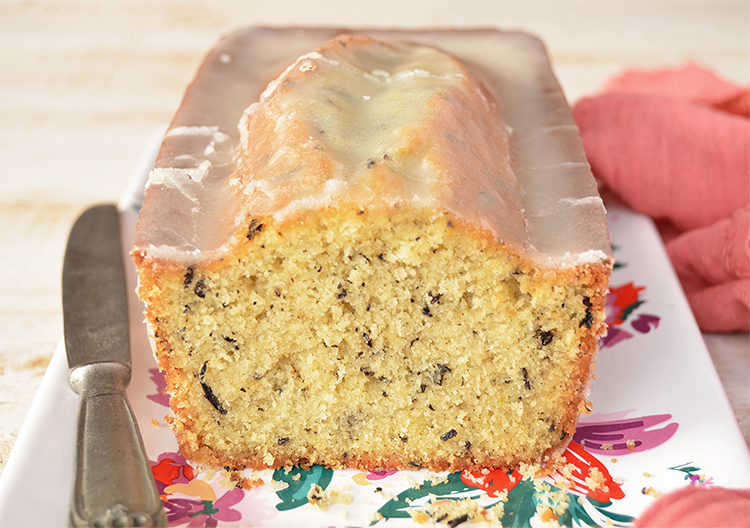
374 340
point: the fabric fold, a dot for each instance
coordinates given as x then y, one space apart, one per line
674 144
668 159
713 264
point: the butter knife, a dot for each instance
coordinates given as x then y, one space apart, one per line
113 483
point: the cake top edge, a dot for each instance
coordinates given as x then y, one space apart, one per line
191 211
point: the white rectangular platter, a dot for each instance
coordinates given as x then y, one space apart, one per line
661 421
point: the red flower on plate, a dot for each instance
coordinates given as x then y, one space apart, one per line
621 303
171 468
587 474
493 482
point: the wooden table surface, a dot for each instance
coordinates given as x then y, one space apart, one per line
86 83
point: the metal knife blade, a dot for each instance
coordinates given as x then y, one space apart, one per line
113 484
95 302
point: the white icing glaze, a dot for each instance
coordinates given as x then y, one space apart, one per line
180 179
337 113
212 131
556 203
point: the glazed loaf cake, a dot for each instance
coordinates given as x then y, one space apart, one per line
391 256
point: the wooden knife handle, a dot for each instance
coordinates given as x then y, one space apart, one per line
114 484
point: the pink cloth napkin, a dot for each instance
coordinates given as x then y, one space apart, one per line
675 145
696 507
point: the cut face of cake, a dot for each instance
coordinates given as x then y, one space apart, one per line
392 256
